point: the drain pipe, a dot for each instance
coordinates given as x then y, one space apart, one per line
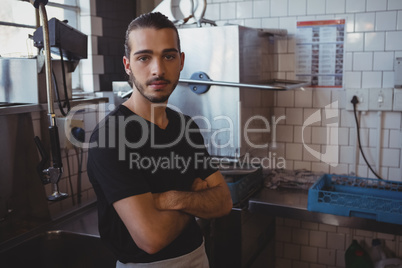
379 139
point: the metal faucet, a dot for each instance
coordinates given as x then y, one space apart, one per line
51 174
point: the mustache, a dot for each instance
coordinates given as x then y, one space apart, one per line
157 79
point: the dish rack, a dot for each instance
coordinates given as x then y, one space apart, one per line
380 200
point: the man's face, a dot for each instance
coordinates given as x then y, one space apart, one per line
155 63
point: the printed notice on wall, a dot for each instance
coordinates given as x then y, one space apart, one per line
320 52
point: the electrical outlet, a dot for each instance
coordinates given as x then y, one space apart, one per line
397 99
361 94
380 99
65 125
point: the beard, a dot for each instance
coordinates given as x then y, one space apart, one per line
153 99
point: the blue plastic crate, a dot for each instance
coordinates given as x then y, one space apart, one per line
380 200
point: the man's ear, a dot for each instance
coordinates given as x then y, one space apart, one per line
126 63
182 56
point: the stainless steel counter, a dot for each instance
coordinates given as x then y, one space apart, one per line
32 107
291 203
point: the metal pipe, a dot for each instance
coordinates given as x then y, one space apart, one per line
48 64
293 84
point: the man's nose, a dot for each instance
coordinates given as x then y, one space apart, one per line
158 67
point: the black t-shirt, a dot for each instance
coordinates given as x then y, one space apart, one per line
129 156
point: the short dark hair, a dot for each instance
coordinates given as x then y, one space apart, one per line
155 20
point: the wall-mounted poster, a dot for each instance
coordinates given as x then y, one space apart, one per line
320 52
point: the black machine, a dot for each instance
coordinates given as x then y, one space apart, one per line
72 42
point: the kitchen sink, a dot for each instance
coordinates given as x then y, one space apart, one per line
59 249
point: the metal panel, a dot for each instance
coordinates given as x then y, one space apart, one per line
18 80
228 53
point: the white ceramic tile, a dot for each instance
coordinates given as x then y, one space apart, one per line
393 40
373 137
294 151
385 21
228 11
96 26
348 61
326 256
369 120
388 79
364 22
392 120
372 80
315 7
374 41
390 157
338 99
300 137
335 6
244 10
213 12
399 22
311 112
394 4
383 61
319 135
353 79
354 42
285 99
270 23
376 5
318 239
279 8
252 23
321 98
291 251
294 116
284 133
343 134
394 174
307 156
362 61
355 5
346 154
303 98
288 23
339 169
297 7
261 9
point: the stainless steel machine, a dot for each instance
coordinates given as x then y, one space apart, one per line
227 85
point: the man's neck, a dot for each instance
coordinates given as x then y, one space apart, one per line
152 112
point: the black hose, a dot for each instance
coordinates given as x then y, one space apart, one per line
354 102
56 90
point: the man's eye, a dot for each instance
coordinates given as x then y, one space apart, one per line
143 58
170 57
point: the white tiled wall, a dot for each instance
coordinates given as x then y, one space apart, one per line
374 40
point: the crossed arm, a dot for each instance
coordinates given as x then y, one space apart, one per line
155 220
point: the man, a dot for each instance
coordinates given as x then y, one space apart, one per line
150 169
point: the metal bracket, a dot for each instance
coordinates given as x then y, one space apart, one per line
200 82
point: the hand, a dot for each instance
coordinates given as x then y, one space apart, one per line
199 185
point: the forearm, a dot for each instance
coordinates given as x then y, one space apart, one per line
208 203
151 229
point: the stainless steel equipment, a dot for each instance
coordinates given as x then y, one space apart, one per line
242 60
23 80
